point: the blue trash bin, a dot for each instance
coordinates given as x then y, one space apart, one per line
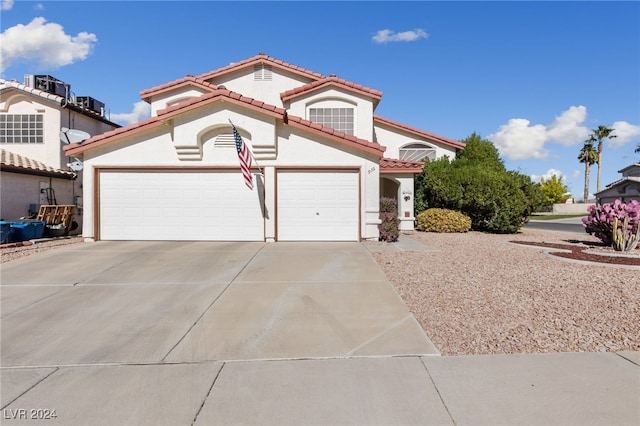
25 230
5 232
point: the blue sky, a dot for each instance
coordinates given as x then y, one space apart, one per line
533 77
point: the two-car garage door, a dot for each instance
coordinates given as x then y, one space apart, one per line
202 205
178 205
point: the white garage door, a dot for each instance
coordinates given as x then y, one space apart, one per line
179 205
318 206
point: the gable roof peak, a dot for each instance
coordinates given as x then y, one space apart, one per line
261 58
376 95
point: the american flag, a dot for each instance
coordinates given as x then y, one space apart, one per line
245 158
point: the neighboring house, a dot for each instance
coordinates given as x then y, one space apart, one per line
26 183
322 160
625 189
34 167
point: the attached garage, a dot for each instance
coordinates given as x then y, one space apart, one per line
318 205
178 204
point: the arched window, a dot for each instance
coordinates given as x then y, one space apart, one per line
417 152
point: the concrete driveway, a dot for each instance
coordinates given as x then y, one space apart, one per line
179 333
152 302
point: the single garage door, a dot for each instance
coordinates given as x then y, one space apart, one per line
179 205
318 205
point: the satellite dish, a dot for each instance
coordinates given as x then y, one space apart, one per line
76 165
73 135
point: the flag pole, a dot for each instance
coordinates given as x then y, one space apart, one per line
250 153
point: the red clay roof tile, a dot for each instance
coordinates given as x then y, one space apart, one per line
418 132
11 161
392 165
371 147
181 82
189 104
331 81
77 148
261 58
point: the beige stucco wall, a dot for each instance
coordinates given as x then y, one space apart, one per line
20 190
49 152
242 81
400 186
625 191
295 148
331 98
395 140
172 97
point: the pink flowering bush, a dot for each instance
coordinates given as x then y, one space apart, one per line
614 222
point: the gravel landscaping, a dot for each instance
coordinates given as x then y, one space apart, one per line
18 250
481 293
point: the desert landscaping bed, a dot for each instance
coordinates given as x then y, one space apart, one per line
484 294
19 250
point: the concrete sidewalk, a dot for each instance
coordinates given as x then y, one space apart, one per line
169 333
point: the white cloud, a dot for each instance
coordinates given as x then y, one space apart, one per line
549 174
624 133
141 110
517 140
386 36
38 6
6 4
45 43
566 128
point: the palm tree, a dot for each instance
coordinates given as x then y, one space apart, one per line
588 155
637 151
599 135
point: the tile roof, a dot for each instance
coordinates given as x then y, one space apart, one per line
215 95
413 130
8 84
630 166
231 97
332 81
371 147
13 162
106 137
258 59
181 82
619 181
392 165
201 80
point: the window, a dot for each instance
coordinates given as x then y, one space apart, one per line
340 119
262 72
21 128
417 152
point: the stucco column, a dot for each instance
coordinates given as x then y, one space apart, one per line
371 197
269 203
405 202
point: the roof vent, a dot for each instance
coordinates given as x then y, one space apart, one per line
262 72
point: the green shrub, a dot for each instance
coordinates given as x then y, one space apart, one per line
443 220
477 184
